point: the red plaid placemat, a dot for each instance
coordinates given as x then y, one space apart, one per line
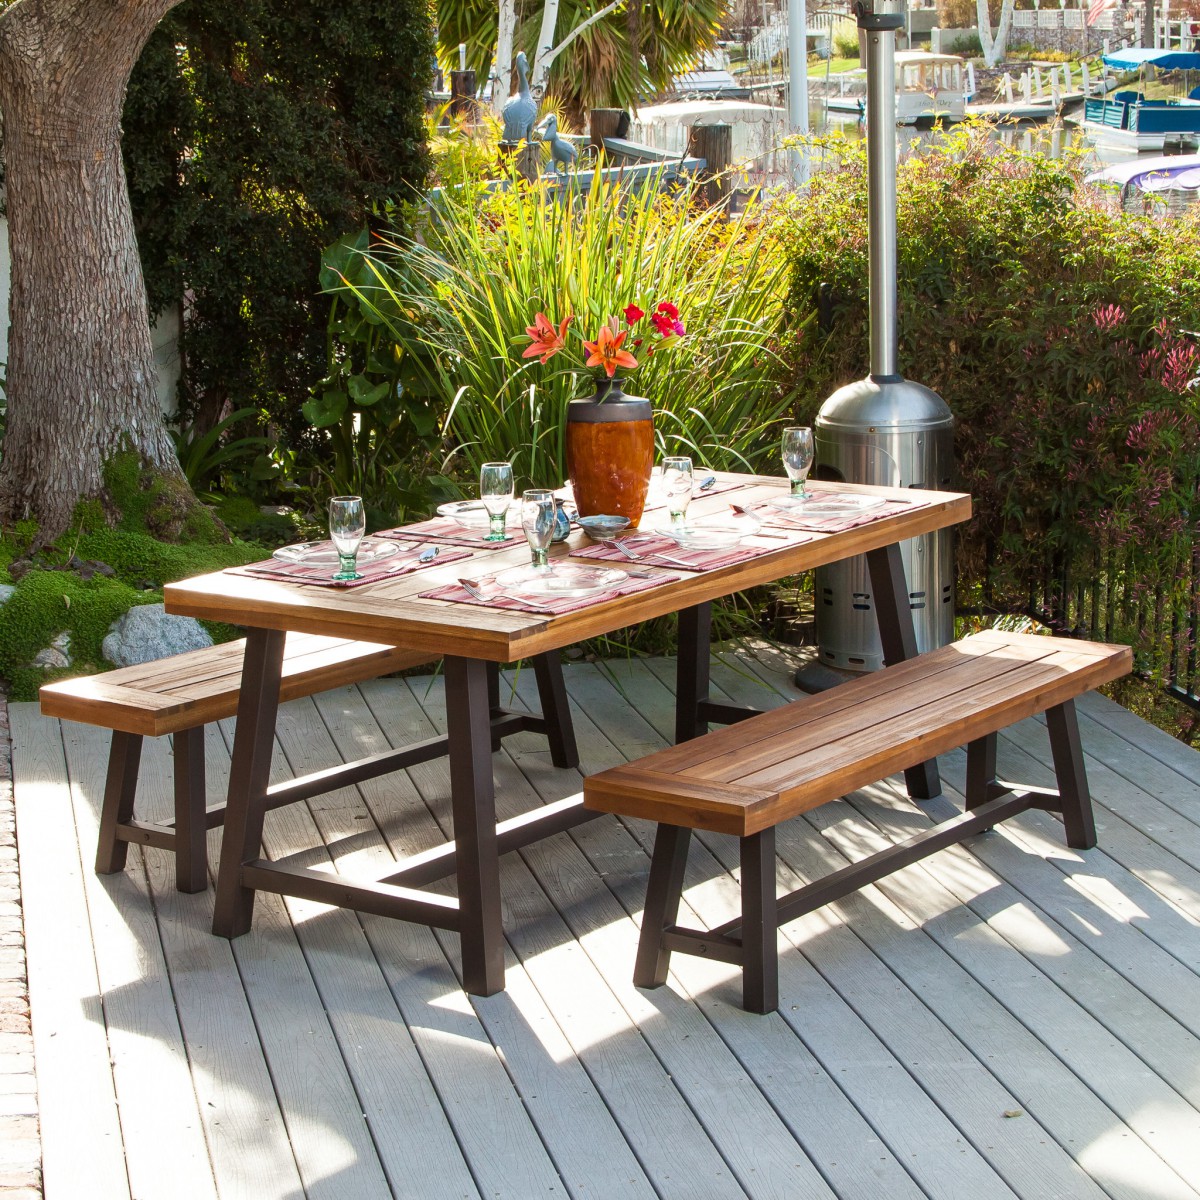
789 518
657 550
494 598
441 529
322 574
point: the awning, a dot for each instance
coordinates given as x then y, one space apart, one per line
1164 60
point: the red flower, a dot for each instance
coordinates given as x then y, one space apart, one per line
667 307
547 341
633 314
664 324
606 352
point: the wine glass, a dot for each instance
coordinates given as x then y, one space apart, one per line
537 519
677 487
347 524
798 453
496 492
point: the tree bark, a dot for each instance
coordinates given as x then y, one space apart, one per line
81 375
502 69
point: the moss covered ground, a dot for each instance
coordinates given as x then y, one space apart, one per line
116 554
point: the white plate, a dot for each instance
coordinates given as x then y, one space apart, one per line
470 513
819 504
705 537
319 554
563 581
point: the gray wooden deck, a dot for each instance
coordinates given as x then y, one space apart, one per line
1010 1018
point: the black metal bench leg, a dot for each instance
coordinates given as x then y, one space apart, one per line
473 802
191 798
692 671
898 638
760 921
663 890
120 788
249 776
981 771
1069 768
556 711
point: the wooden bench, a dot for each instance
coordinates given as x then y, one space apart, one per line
181 694
747 778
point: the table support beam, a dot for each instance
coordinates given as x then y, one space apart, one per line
898 636
473 802
249 776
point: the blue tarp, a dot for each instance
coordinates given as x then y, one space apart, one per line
1164 60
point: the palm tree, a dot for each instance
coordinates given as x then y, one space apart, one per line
616 61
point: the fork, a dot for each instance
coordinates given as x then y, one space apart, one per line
635 557
472 588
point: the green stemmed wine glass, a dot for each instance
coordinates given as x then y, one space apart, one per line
496 492
347 524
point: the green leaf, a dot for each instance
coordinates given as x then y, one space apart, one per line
326 409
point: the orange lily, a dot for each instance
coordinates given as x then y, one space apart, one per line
606 352
547 341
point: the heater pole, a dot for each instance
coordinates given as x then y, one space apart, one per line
879 36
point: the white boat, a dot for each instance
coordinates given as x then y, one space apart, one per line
1127 118
929 88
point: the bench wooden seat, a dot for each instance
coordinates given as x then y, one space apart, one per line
179 695
748 777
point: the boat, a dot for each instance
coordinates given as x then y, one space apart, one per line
929 88
1128 118
1174 179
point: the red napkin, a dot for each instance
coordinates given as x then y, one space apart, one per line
441 529
794 518
322 574
650 546
494 598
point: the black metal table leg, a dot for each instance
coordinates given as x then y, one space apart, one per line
1067 752
691 681
250 774
120 789
898 636
556 711
473 800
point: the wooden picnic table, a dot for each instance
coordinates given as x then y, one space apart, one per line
473 639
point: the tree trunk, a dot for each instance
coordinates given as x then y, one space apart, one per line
502 70
81 375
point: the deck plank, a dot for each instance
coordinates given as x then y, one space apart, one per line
329 1055
146 1042
82 1151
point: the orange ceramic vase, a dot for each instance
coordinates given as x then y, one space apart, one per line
610 452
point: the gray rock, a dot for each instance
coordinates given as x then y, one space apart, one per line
147 632
50 658
6 592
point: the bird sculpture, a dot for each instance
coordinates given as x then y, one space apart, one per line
562 152
520 109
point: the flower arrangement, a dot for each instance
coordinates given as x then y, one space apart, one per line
608 350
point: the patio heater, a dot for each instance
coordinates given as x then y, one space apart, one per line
884 429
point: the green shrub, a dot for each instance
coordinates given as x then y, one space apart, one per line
845 44
1049 324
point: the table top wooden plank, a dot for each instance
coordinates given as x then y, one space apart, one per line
392 611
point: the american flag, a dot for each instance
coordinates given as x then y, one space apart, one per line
1095 8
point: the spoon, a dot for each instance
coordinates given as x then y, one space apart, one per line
429 554
704 485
